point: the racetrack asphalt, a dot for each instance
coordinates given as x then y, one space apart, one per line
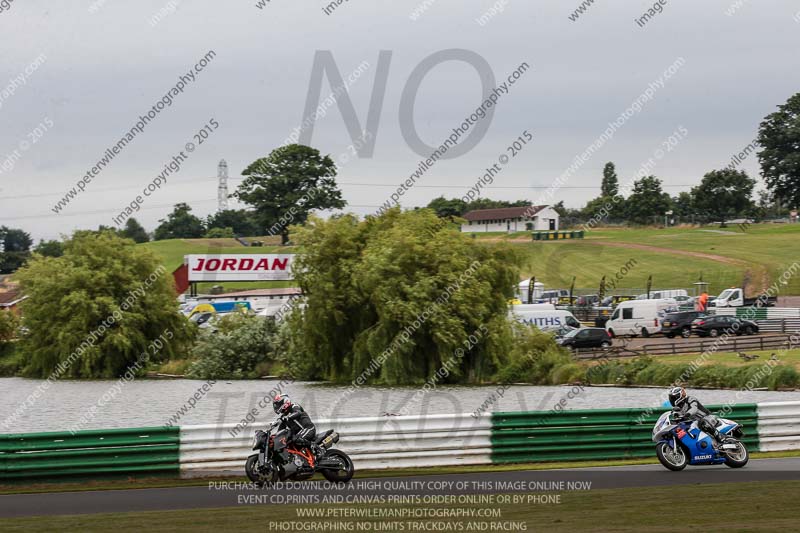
223 494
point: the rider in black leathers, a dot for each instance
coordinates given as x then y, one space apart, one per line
690 408
300 430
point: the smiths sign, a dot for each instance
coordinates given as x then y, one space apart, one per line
239 267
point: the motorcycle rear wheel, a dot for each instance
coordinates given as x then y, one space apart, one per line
343 474
740 457
260 479
673 459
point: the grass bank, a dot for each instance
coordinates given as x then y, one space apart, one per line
721 256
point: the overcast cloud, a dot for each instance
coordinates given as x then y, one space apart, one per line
104 69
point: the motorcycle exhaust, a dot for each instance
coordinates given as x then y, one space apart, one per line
330 440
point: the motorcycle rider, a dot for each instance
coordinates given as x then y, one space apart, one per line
300 430
690 408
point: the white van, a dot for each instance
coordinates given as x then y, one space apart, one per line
661 294
543 317
639 317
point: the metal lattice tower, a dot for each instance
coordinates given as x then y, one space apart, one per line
222 187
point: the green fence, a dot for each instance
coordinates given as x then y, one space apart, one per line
92 453
595 434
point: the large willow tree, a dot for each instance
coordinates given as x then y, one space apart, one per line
393 298
94 311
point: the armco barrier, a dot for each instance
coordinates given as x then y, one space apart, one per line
589 434
90 453
381 442
779 426
373 443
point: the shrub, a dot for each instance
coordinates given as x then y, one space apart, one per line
234 350
534 357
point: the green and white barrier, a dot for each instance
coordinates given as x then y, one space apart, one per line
379 442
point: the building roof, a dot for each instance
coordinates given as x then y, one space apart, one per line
11 297
503 213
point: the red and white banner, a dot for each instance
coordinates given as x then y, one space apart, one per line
239 267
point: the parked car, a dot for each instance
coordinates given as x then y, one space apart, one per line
588 300
586 338
713 326
679 323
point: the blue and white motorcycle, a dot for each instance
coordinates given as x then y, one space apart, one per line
681 442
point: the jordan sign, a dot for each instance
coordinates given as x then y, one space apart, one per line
239 267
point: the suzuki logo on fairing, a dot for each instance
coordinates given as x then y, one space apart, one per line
698 457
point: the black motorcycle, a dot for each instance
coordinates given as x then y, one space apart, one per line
267 466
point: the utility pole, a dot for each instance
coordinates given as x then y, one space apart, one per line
222 187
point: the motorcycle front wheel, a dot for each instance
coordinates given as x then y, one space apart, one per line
255 475
345 470
672 458
737 458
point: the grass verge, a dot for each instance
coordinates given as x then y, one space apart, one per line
745 507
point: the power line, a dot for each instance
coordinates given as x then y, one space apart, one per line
100 211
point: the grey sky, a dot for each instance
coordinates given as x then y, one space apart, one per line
104 69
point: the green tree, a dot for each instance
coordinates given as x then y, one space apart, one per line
779 137
15 245
286 186
135 231
724 194
647 203
50 248
180 224
406 283
447 208
9 323
603 209
488 203
220 233
97 308
683 205
610 185
241 221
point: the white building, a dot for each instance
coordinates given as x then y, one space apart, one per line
531 218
